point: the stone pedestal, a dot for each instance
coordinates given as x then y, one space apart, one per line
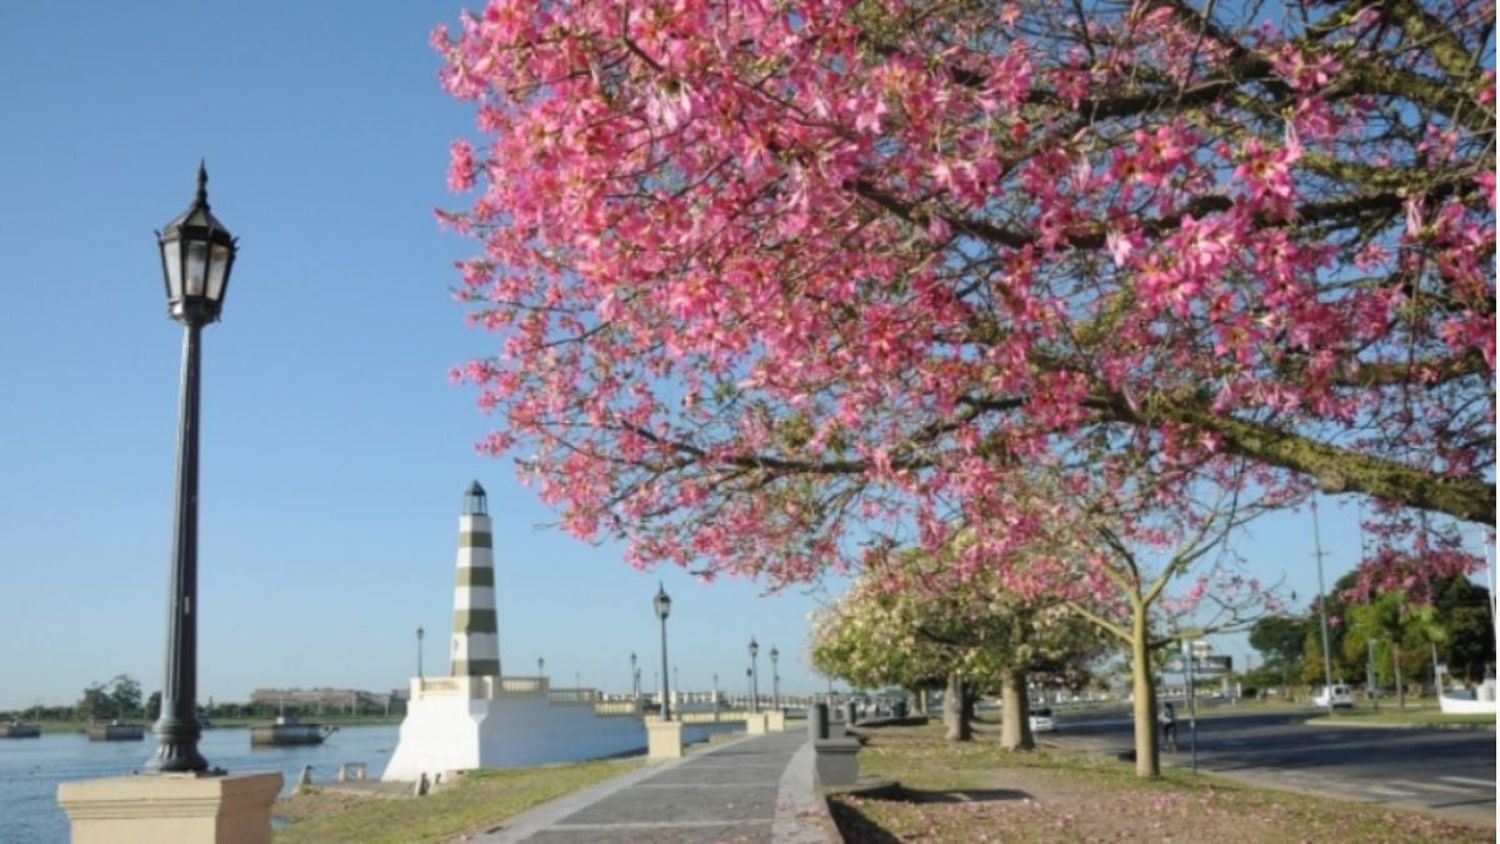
181 808
756 724
663 739
776 721
838 762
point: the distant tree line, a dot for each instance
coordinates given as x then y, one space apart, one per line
1405 634
121 698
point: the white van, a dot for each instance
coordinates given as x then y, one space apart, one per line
1337 695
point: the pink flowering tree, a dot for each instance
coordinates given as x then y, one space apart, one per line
779 284
1149 565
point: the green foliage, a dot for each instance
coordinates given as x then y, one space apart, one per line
125 695
1279 639
95 703
1463 608
120 699
890 629
1346 666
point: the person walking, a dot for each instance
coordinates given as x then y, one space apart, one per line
1168 728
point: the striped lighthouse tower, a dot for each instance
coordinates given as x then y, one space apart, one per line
476 637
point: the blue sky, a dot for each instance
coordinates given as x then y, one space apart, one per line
334 449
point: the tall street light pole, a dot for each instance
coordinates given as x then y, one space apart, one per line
775 680
420 634
754 677
197 253
663 606
1323 612
635 677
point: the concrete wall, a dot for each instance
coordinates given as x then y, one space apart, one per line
456 732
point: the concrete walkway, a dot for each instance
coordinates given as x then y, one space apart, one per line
758 789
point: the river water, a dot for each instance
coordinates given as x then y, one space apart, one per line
30 769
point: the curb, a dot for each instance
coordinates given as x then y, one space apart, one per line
1324 721
802 815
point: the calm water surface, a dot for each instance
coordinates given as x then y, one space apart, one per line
30 769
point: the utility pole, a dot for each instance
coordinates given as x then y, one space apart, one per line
1322 609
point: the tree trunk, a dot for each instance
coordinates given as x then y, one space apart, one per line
1146 762
1015 721
955 712
1400 686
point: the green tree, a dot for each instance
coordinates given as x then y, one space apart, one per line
95 703
1464 609
125 696
1406 626
1346 664
1279 639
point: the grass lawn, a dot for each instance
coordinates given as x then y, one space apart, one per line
977 792
478 801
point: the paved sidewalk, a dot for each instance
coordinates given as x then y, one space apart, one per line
758 789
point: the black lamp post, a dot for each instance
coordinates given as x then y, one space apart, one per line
197 253
750 687
541 667
754 677
635 677
420 634
663 605
775 680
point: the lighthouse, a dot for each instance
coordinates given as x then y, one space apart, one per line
476 636
475 718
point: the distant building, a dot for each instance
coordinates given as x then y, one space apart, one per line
329 698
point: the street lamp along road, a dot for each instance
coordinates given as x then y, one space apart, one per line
420 634
197 253
754 677
663 605
775 680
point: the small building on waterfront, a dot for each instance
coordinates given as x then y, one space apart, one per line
478 718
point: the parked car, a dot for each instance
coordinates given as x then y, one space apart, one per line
1338 695
1041 721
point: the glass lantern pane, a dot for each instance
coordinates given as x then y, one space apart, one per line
171 252
216 272
196 267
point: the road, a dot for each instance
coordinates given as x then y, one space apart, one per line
1449 772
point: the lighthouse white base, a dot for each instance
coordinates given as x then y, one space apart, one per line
462 723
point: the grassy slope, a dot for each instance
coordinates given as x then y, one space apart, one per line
477 802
